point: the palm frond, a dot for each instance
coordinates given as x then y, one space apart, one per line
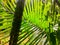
37 22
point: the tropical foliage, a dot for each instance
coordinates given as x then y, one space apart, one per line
40 23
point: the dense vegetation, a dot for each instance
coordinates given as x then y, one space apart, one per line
30 22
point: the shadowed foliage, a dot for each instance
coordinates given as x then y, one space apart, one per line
16 22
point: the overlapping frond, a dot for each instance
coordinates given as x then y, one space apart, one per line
37 21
